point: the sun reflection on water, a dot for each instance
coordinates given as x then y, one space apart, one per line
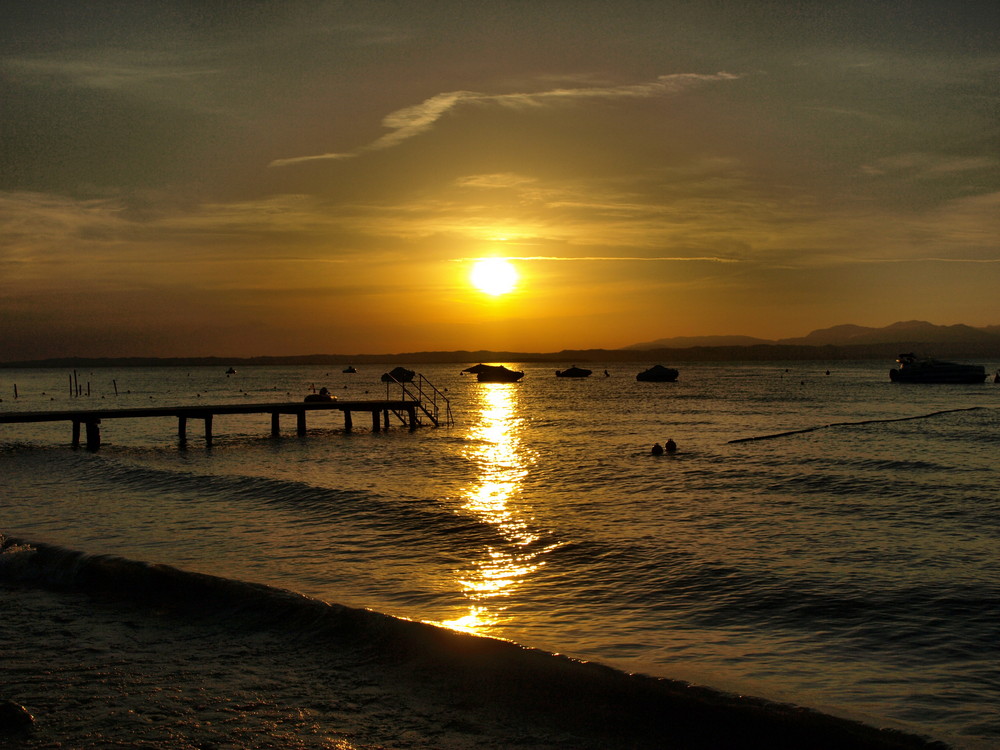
501 462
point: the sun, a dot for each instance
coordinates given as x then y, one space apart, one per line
494 276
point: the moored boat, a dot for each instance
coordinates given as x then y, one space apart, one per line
498 374
476 369
398 375
913 369
573 372
658 374
323 395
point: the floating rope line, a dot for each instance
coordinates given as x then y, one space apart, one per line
851 424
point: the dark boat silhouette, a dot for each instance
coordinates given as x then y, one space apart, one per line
573 372
914 369
349 369
498 374
658 374
398 375
476 369
323 395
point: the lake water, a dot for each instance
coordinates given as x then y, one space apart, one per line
852 568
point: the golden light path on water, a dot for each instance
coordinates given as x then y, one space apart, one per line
501 462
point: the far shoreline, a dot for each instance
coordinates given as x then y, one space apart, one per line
753 353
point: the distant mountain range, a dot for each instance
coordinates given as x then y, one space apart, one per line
844 342
912 332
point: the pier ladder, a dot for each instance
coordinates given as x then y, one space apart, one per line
429 399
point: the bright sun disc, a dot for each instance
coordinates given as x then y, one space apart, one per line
494 276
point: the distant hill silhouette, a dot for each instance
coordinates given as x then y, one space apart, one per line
907 333
843 342
685 342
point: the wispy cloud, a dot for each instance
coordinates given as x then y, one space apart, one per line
600 258
125 72
412 121
923 165
498 180
926 260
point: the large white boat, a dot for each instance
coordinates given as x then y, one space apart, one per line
913 369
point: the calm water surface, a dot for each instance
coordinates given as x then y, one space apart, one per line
851 568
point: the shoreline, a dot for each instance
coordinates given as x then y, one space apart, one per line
153 655
756 353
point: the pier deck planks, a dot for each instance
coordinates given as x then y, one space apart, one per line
91 418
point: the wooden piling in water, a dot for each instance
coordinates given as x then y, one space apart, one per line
93 434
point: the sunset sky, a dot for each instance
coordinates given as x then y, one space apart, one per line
253 178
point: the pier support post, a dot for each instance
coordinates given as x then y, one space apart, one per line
348 422
275 424
93 434
376 426
411 415
182 431
76 433
300 422
385 419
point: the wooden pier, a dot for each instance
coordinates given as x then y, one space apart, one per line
90 419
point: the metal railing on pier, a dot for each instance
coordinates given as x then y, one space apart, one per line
429 398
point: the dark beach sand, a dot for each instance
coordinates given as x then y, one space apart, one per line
97 673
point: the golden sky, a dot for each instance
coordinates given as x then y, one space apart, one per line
276 178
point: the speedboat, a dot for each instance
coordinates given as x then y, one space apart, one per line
350 370
476 369
913 369
498 374
658 374
573 372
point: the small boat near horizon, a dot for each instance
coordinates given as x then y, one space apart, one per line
498 374
574 372
914 369
658 374
350 369
476 369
